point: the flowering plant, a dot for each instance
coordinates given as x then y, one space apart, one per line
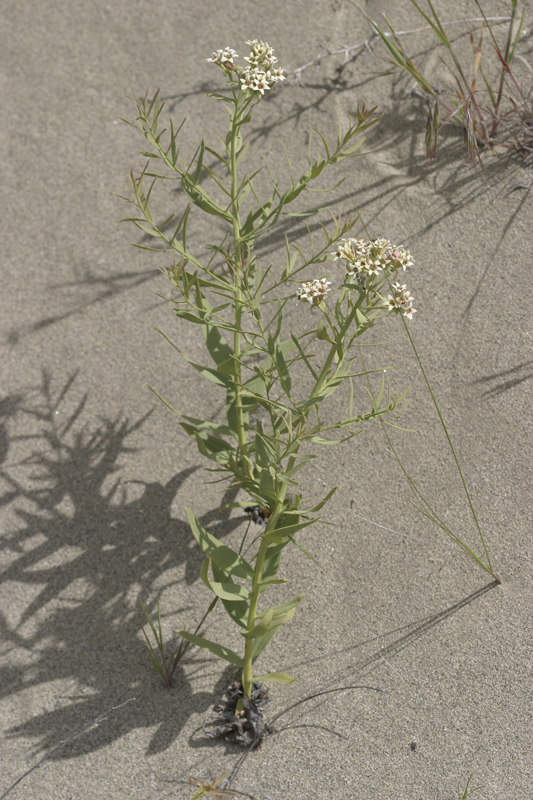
272 422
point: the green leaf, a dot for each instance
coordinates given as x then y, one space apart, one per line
212 447
216 649
260 629
211 374
229 366
219 349
324 501
312 401
224 556
394 50
282 608
267 485
263 454
236 609
289 530
275 677
278 620
219 97
321 440
221 430
322 332
226 591
272 559
200 198
283 372
255 385
362 321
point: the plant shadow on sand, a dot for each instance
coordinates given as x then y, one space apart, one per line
79 555
82 553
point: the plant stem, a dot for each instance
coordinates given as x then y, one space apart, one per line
334 347
238 272
247 671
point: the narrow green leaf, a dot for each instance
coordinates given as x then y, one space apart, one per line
323 502
272 560
236 609
288 530
282 608
283 371
321 440
219 349
226 591
275 677
394 50
216 649
260 629
221 430
211 374
278 620
224 556
263 454
322 332
212 446
229 366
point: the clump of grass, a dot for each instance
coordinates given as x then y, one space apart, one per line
467 791
209 788
491 110
161 662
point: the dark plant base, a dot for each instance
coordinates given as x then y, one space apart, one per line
245 727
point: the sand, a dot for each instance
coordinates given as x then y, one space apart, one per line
96 473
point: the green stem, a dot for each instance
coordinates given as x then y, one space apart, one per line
333 349
247 670
239 269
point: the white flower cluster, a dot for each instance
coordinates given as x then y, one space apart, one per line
223 57
370 257
259 75
366 258
401 301
313 291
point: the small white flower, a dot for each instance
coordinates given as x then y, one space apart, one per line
277 74
313 291
260 82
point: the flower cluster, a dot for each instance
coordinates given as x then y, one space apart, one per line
260 74
224 58
366 258
370 257
401 301
313 291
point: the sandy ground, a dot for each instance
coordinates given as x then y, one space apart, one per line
96 473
